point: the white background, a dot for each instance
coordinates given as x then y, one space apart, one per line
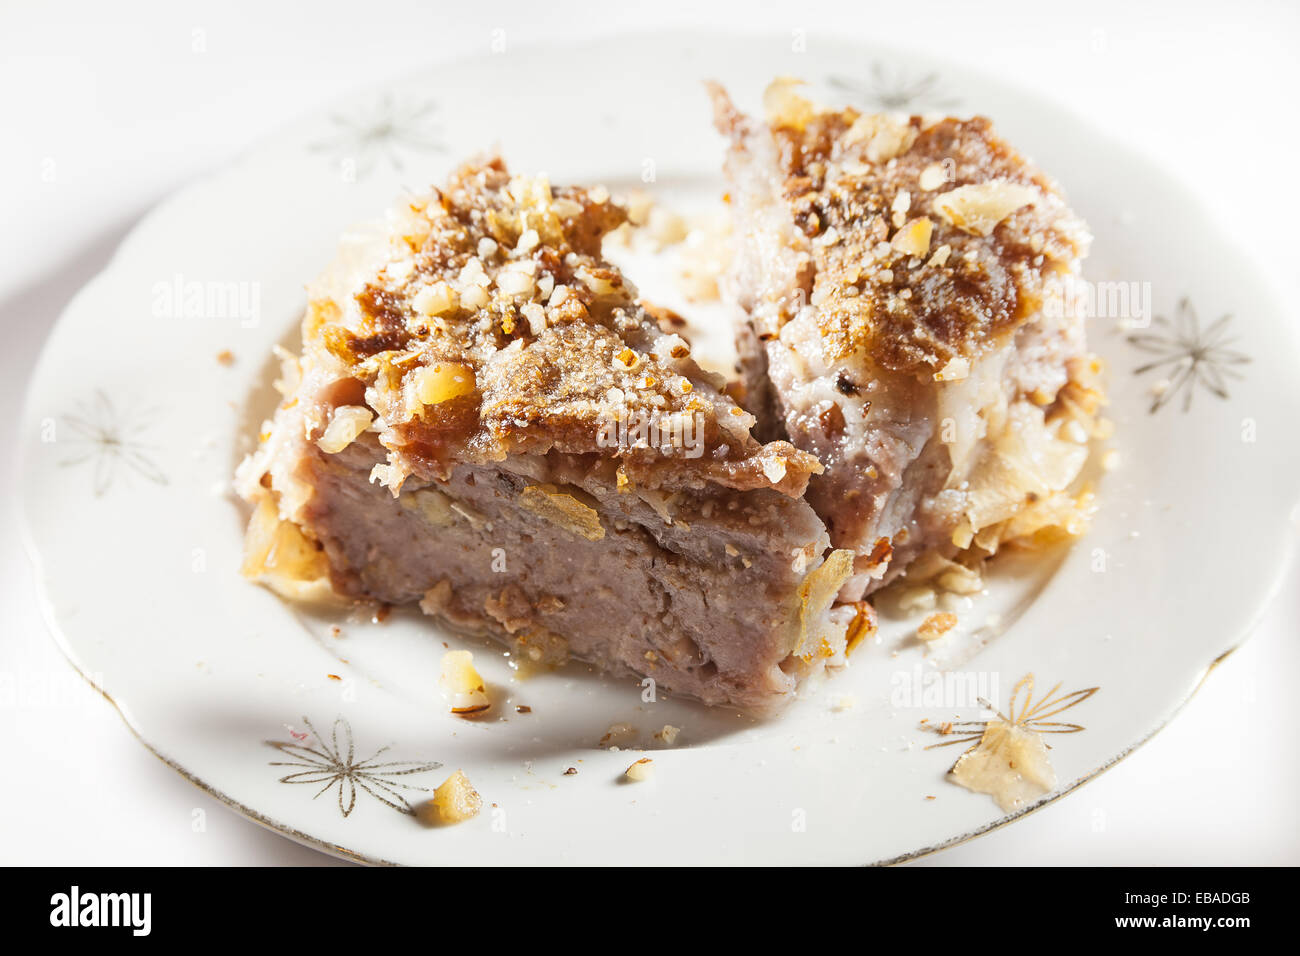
120 103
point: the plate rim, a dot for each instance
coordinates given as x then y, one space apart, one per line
1178 186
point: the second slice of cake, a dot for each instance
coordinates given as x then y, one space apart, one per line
909 287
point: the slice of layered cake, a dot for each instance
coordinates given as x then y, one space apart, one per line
909 289
485 422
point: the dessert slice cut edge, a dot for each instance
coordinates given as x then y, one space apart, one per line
484 423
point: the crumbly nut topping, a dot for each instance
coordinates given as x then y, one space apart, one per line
495 327
925 241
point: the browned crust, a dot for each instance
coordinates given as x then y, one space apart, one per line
537 386
887 307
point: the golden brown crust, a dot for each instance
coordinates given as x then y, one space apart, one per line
492 326
904 264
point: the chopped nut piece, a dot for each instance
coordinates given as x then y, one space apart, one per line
861 627
566 208
528 241
978 208
441 382
667 735
347 423
816 594
642 770
1009 763
784 106
536 317
564 510
474 297
437 298
885 136
278 555
601 281
462 685
618 734
914 238
956 370
513 282
936 625
932 177
472 274
455 801
432 504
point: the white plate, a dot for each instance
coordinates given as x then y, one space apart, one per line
132 429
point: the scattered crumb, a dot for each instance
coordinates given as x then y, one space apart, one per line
617 734
1009 763
936 625
667 735
454 802
571 771
462 685
226 357
843 702
523 709
640 771
861 627
336 631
